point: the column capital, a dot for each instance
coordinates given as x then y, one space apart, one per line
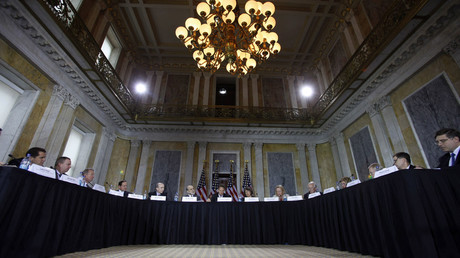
207 75
311 147
71 101
290 78
373 109
333 141
452 47
135 143
258 145
384 102
202 145
146 142
300 146
245 77
60 92
190 145
159 73
197 74
254 76
247 145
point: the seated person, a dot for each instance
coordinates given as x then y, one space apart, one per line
37 156
220 193
280 193
448 140
344 181
372 168
312 188
402 161
123 187
159 190
86 177
191 193
248 192
62 165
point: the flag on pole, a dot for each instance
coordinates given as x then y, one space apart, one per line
215 175
246 179
201 188
231 188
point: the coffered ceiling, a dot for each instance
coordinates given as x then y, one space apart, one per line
305 27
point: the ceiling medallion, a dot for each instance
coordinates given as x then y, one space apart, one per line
242 39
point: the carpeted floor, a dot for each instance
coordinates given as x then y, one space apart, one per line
214 251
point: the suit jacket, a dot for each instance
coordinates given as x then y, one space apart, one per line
444 161
214 197
125 193
154 193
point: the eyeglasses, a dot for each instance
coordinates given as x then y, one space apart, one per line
441 141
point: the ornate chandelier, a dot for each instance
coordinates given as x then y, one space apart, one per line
243 39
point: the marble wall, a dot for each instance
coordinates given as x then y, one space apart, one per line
166 169
118 162
363 152
326 165
281 172
433 107
273 92
177 89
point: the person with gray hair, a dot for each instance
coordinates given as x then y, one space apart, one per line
159 190
312 188
86 177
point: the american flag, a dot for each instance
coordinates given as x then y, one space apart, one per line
215 183
231 189
246 179
201 188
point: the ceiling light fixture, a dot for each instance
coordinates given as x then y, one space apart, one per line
222 91
307 91
243 39
141 88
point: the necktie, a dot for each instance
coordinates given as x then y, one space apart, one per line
452 156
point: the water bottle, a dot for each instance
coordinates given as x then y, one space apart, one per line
176 197
25 162
145 194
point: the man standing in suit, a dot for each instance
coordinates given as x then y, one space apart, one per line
402 161
220 193
191 193
448 140
159 190
123 187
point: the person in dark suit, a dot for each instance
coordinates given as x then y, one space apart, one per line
312 188
159 190
402 161
448 140
123 187
190 192
220 193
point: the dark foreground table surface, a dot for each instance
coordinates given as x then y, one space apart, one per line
405 214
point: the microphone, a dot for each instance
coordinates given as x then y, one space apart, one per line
11 156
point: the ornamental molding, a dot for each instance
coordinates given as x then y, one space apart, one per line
391 68
23 22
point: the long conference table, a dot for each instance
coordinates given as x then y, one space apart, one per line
405 214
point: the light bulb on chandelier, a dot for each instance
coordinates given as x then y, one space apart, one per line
243 39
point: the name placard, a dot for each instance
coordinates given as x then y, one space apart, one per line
354 182
136 196
117 193
224 199
70 179
188 199
42 171
294 198
251 199
385 171
158 198
271 199
329 190
99 188
313 195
